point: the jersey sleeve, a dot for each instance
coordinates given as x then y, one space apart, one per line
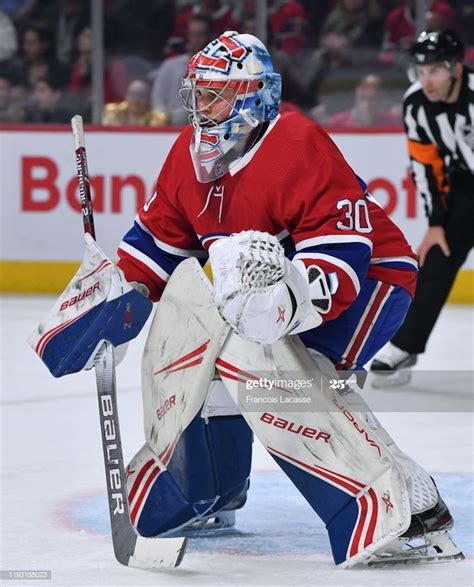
160 238
329 221
429 172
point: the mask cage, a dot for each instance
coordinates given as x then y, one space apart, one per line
199 116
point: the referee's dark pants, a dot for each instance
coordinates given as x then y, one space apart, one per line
437 275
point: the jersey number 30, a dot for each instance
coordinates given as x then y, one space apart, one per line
356 216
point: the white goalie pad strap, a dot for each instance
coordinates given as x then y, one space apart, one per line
421 488
260 293
219 401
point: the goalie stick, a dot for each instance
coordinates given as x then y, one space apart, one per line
130 548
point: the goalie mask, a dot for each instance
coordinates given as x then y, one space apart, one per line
230 88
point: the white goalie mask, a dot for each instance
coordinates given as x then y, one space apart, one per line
230 88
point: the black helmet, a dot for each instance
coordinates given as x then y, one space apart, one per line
435 46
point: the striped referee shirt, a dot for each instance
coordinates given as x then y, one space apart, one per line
440 142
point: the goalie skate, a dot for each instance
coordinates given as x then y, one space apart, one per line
434 547
205 526
391 368
389 380
222 520
427 540
218 521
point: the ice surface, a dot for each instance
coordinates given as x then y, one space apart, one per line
53 507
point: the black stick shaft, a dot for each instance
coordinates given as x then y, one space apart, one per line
83 175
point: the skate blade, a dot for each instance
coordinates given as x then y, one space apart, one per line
395 379
220 523
225 519
438 547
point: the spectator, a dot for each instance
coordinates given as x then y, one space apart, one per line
37 61
18 10
167 78
288 25
358 20
80 78
11 110
370 107
72 17
8 39
135 110
50 104
220 13
329 67
318 12
138 28
400 27
288 66
466 16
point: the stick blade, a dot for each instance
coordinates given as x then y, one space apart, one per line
157 553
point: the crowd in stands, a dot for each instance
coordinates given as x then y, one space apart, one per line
343 62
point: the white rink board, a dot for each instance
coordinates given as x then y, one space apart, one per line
38 186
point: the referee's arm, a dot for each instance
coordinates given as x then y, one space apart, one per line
430 178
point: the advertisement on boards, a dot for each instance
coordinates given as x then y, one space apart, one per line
40 218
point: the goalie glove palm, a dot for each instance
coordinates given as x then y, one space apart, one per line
258 291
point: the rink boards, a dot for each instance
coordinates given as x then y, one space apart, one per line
40 209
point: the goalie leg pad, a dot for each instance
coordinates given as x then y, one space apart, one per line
208 472
334 458
338 505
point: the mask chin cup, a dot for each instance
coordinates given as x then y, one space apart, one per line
216 151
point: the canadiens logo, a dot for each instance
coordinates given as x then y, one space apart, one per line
219 55
210 147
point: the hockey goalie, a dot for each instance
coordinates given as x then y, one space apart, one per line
309 279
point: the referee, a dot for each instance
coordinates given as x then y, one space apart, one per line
438 117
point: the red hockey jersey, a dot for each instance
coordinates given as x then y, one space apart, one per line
294 184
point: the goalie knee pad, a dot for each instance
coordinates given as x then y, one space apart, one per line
208 472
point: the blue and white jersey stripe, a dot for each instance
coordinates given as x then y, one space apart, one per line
396 263
160 257
351 254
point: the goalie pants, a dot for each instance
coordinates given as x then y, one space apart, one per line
352 339
437 275
208 472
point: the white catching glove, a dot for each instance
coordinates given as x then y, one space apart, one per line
260 293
